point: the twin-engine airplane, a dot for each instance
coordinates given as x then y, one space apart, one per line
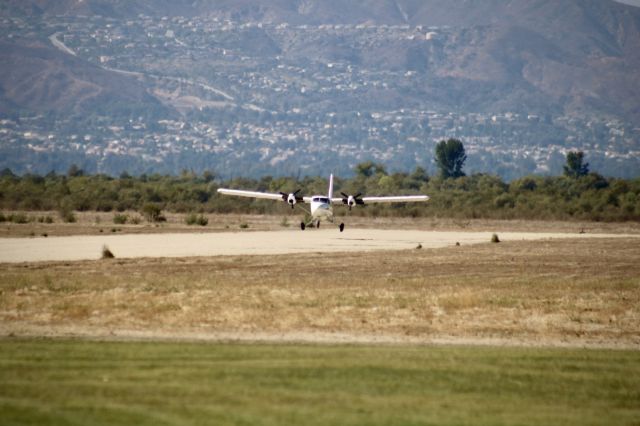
321 205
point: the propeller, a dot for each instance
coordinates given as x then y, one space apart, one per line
352 200
291 198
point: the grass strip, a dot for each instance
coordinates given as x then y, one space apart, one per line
80 382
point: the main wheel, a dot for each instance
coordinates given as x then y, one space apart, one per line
302 226
341 227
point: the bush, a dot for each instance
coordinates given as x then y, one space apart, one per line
19 218
495 239
66 212
135 220
3 218
191 219
194 219
152 212
120 219
106 253
68 217
504 201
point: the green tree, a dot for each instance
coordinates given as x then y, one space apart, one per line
75 171
6 172
208 176
450 157
369 168
576 166
420 174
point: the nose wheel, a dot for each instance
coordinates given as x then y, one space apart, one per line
341 227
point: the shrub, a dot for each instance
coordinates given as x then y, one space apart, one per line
106 253
244 225
152 212
504 201
120 219
135 220
495 239
19 218
194 219
66 213
3 218
191 219
526 183
68 217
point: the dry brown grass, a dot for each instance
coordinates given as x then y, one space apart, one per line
578 292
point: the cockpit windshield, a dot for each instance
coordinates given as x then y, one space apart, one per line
323 200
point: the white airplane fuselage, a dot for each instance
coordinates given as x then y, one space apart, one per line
321 208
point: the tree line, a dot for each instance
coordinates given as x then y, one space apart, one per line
577 195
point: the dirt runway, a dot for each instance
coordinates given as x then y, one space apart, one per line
72 248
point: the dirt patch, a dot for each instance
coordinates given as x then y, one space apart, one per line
82 247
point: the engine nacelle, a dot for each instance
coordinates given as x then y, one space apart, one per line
352 200
291 198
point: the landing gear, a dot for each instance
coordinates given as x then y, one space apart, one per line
341 227
317 224
302 226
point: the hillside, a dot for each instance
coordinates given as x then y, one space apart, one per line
38 77
329 83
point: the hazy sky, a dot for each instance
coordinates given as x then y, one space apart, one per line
631 2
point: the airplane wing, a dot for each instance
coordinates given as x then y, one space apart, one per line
250 194
290 199
391 199
396 199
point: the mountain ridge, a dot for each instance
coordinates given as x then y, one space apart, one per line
40 78
523 44
276 64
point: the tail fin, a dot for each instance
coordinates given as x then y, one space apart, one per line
330 195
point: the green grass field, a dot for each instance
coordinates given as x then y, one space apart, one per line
83 383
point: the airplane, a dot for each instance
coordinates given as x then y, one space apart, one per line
322 205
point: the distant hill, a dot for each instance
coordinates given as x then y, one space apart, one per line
379 79
574 55
38 77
